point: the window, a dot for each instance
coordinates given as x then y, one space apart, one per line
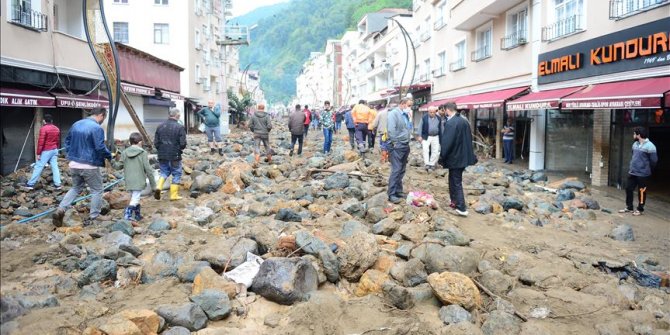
161 2
517 27
161 33
439 18
197 40
623 8
120 32
426 70
484 42
459 64
197 74
121 1
442 64
568 19
27 14
426 30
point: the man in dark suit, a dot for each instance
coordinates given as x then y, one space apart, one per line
456 154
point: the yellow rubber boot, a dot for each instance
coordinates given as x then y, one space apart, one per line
174 192
159 188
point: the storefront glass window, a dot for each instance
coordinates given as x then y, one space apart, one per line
569 140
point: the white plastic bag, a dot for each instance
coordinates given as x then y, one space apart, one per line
201 127
245 273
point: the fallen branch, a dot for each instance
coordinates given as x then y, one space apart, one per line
353 173
493 295
576 314
296 250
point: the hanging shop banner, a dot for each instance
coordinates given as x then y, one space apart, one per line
12 97
640 47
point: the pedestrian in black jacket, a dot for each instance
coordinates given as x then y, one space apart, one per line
456 154
170 141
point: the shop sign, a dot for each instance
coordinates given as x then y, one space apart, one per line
643 46
629 103
139 90
81 103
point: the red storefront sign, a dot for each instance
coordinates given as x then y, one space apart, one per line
25 98
81 101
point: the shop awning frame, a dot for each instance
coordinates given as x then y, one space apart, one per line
492 99
90 101
549 99
14 97
632 94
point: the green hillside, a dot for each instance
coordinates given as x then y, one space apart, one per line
282 42
258 14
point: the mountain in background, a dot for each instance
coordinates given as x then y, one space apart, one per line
251 18
282 41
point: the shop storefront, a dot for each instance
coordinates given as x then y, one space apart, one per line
591 96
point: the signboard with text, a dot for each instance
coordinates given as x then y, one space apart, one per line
643 46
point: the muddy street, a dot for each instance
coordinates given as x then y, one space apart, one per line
310 244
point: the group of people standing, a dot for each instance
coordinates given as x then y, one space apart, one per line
445 136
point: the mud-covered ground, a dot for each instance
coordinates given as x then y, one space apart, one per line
545 259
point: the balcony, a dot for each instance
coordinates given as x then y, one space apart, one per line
620 9
28 18
425 36
513 40
469 14
234 35
562 28
481 53
424 77
457 65
439 72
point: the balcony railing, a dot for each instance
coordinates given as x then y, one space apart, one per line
31 19
457 65
513 40
482 53
439 72
425 36
423 77
439 23
623 8
558 29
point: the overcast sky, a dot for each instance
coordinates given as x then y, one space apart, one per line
241 7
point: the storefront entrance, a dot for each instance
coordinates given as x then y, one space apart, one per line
569 141
657 123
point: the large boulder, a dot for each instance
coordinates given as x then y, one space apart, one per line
454 288
573 184
163 264
397 295
449 258
314 246
387 227
208 279
565 195
337 181
214 303
453 314
285 280
146 320
187 315
101 270
358 254
497 282
450 236
622 232
229 252
501 323
206 183
187 271
512 203
203 215
410 273
371 282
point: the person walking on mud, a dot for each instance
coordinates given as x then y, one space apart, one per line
47 153
351 127
361 113
86 151
136 171
296 122
643 160
379 125
456 154
170 142
327 125
260 124
399 132
308 120
431 132
211 116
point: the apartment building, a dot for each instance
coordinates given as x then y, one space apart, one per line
575 76
189 34
314 85
46 67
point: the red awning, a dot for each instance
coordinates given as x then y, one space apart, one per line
26 98
81 101
435 103
416 87
493 99
667 99
549 99
645 93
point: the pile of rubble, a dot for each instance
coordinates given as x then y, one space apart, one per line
333 250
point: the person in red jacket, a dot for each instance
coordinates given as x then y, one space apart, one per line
47 152
308 119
